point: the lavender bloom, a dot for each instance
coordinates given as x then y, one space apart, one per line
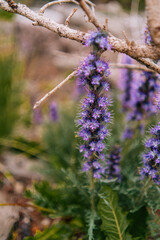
98 40
38 116
113 163
126 81
151 160
92 123
128 134
143 96
79 90
53 112
148 36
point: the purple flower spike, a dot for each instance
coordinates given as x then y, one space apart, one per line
126 83
98 40
113 163
92 74
53 112
143 97
38 118
151 160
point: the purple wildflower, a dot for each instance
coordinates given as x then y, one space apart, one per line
148 37
53 112
92 75
113 163
128 133
143 96
38 116
126 81
98 40
151 159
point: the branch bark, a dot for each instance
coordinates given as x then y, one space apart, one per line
153 20
136 51
60 29
130 66
47 95
89 13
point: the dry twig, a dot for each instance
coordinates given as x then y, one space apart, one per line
149 64
47 95
90 3
69 17
42 9
130 66
89 13
126 38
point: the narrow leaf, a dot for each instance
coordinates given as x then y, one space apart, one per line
114 222
91 226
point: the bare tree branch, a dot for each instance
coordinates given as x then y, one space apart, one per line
60 29
90 3
136 51
89 13
126 38
42 9
47 95
69 17
149 64
130 66
153 19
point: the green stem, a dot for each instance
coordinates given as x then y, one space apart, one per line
25 205
92 192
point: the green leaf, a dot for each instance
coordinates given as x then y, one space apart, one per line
114 222
138 223
91 224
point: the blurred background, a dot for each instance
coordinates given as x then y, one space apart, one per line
33 60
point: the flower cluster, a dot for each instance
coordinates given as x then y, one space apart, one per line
148 37
151 159
98 40
113 163
53 112
92 74
38 117
127 77
143 96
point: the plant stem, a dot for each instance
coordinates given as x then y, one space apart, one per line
92 192
25 205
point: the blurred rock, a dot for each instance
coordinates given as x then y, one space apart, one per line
8 216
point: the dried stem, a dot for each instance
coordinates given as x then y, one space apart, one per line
126 38
47 95
69 17
42 9
90 3
89 13
149 64
145 34
130 66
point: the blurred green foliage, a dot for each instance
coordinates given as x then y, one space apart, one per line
5 15
67 190
10 75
